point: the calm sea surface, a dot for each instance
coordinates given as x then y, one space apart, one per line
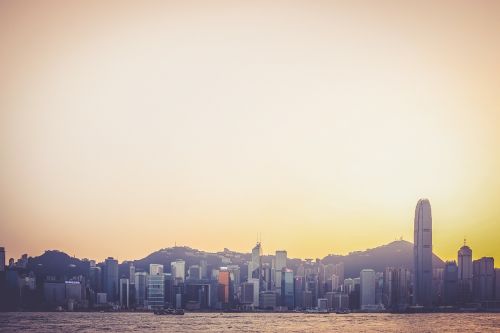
247 322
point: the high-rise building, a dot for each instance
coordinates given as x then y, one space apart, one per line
194 272
367 288
268 300
140 282
131 273
397 288
450 283
280 263
338 269
247 293
287 289
124 293
155 269
178 269
348 286
256 291
111 279
483 278
95 279
234 272
255 269
224 286
2 259
335 283
156 288
497 284
422 253
465 273
203 269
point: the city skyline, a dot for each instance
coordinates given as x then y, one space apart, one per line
172 281
316 124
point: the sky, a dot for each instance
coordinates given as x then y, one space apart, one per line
130 126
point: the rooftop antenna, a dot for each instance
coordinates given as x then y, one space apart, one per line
465 241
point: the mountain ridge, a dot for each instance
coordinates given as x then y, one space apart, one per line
394 254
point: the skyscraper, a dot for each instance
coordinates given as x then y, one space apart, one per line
422 253
287 289
178 269
140 288
131 273
224 286
2 259
256 263
450 283
155 269
280 263
484 278
367 298
111 279
124 293
465 273
156 291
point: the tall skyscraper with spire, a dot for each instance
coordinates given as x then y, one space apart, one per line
422 253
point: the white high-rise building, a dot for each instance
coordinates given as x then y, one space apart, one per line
124 293
178 268
155 269
422 253
367 288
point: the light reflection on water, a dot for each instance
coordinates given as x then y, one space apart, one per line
247 322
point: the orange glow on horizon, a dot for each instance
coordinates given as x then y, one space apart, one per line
126 127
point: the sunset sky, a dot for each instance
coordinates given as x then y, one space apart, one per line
129 126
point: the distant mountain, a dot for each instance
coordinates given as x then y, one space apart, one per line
395 254
57 264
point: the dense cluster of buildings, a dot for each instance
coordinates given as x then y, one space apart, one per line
259 285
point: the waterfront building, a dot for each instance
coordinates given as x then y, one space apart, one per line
256 291
224 287
111 279
287 288
422 253
124 293
322 304
450 283
247 294
497 284
95 278
156 291
2 259
140 283
483 279
267 300
465 273
367 288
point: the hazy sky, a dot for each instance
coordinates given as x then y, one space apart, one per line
128 126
